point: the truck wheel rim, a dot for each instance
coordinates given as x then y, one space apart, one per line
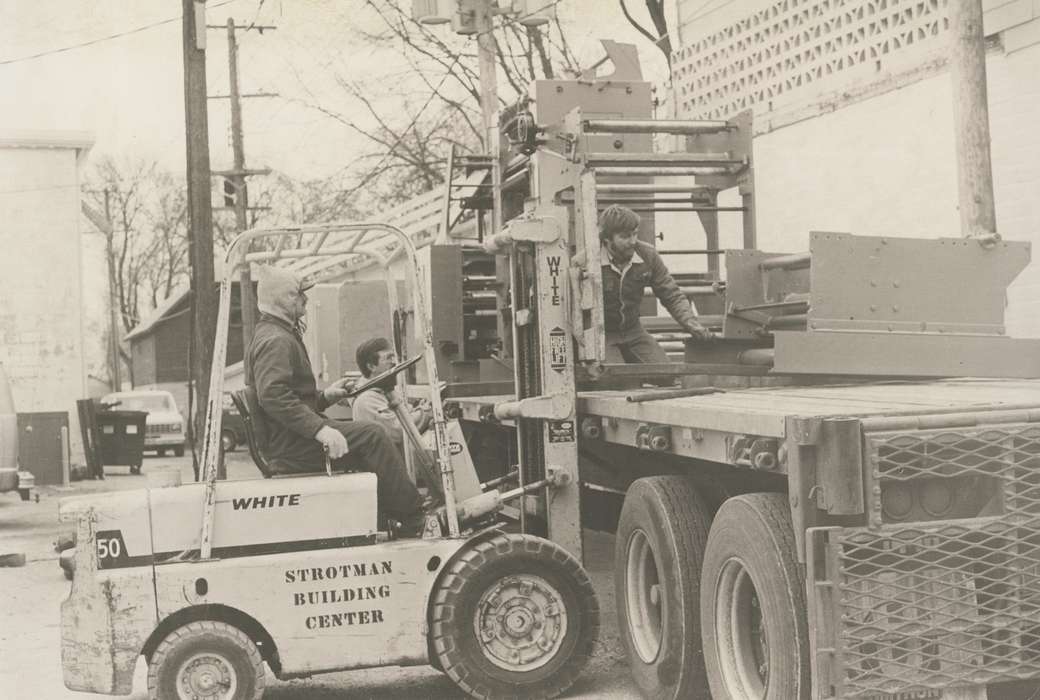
741 633
206 675
644 598
521 622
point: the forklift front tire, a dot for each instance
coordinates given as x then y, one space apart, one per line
206 659
514 616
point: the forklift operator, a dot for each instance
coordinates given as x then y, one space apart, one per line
629 265
375 356
278 367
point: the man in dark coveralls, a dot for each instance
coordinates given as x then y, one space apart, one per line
278 367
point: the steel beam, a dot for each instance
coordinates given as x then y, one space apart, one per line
906 354
659 159
656 126
661 171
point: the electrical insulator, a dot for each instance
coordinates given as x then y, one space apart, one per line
432 11
464 19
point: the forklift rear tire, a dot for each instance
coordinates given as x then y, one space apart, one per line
514 616
658 554
200 658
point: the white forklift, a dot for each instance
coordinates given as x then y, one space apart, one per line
210 581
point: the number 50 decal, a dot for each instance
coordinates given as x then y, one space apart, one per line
111 550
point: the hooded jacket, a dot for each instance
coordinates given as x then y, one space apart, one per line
278 367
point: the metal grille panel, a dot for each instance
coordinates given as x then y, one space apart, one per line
162 428
930 605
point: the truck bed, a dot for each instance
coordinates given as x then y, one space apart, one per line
763 411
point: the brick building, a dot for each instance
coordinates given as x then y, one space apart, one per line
853 117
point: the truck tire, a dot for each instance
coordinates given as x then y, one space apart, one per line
514 616
753 613
657 561
178 451
205 659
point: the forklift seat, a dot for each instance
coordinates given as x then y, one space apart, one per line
255 423
248 405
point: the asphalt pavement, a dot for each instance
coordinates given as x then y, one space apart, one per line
30 634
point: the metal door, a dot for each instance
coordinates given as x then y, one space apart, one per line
43 445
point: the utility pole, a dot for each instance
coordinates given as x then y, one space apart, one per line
246 302
200 215
238 173
971 122
484 22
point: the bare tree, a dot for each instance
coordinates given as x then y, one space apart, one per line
167 215
524 53
408 137
283 200
119 190
660 37
143 214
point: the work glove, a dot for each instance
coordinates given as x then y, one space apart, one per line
699 332
333 441
338 390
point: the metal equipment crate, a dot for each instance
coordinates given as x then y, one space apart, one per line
942 588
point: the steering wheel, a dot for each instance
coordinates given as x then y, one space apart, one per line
383 376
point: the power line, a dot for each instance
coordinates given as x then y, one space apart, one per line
102 39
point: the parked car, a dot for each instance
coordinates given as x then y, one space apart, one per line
233 430
164 425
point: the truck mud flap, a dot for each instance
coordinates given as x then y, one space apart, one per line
907 609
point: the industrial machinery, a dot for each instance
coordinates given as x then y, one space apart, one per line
840 496
211 581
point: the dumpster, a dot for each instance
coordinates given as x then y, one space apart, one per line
121 438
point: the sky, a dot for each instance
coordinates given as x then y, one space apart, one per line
126 87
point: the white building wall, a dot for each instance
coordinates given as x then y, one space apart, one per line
96 302
41 319
880 158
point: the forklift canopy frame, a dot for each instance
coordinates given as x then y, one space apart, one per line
329 245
